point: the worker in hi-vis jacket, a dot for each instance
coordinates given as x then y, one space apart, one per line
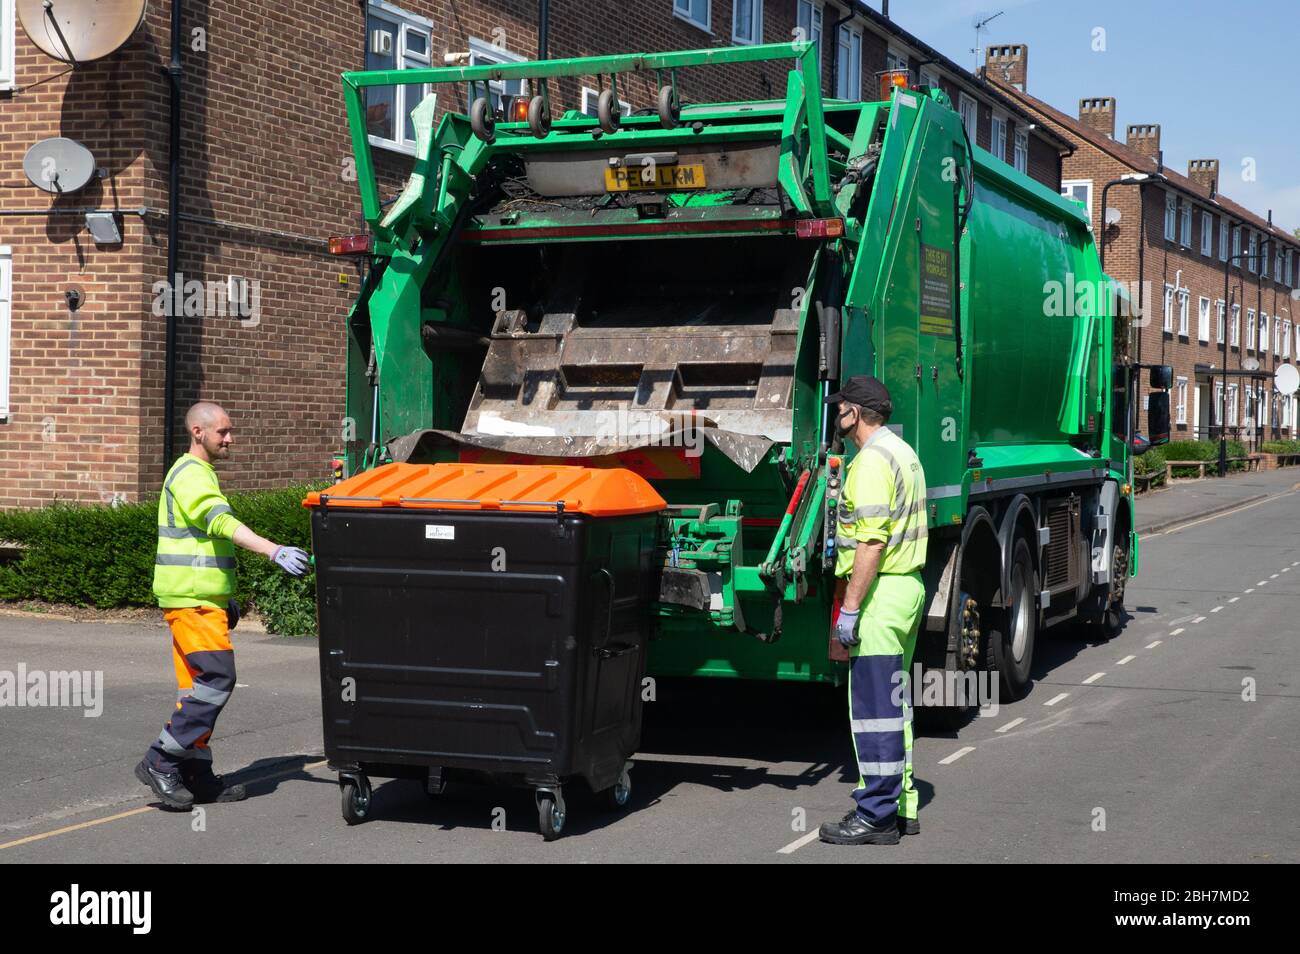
194 581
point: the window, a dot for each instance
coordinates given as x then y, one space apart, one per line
1236 246
1203 319
1181 394
7 35
1250 329
1219 308
6 293
1232 405
895 60
1207 234
1022 151
1185 225
848 63
481 52
1218 402
998 140
1277 267
1235 341
590 97
809 23
969 110
1171 216
929 77
1169 308
1223 240
1183 298
1263 331
1248 406
395 40
1286 339
1277 335
1251 253
694 12
1286 277
747 21
1080 190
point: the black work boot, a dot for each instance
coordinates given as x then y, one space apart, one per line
208 786
168 786
855 830
908 826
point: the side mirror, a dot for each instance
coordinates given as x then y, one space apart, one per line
1162 377
1138 445
1158 417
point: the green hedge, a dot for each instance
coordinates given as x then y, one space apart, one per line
1153 461
104 556
1280 447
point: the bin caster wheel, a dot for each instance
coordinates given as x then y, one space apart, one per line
482 121
617 796
356 799
550 816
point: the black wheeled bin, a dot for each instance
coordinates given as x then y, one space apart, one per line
487 618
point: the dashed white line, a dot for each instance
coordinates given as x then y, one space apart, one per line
1055 699
1273 577
1216 609
1199 619
1234 599
1093 678
1011 725
1251 590
1262 583
1177 631
797 844
964 750
1286 569
1126 660
1153 645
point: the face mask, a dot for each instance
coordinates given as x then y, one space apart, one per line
839 424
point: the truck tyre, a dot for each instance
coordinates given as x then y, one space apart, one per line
1110 598
1011 638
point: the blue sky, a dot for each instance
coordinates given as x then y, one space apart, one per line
1219 78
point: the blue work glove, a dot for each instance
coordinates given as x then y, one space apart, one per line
845 624
232 613
292 560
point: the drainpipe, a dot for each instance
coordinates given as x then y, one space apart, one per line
173 233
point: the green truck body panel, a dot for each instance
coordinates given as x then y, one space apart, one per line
937 285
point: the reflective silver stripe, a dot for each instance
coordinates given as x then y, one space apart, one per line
846 543
203 562
916 533
201 755
167 490
876 725
170 745
213 696
900 487
862 513
182 694
176 533
216 512
880 769
946 490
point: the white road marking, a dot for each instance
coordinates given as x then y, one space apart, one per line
1153 645
1182 619
1055 699
1216 609
797 844
1251 590
1273 577
1262 583
964 750
1011 725
1093 678
1234 599
1126 660
1177 631
1286 569
1199 619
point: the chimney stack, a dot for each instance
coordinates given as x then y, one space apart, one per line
1145 138
1205 173
1099 114
1008 63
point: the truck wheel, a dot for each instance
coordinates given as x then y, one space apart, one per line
1112 596
1012 638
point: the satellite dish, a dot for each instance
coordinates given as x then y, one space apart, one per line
75 31
1287 379
59 165
1113 215
1250 364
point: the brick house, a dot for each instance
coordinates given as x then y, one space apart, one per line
1179 236
266 178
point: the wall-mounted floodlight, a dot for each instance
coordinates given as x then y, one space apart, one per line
104 228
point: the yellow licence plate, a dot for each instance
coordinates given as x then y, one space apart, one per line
654 178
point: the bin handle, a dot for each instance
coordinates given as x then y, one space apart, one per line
609 614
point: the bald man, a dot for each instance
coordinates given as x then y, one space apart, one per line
194 580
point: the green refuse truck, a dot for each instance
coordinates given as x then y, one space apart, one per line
675 290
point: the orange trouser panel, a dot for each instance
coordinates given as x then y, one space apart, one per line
204 661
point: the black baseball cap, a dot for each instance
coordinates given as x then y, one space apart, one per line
864 391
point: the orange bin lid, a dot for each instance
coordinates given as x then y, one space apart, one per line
598 491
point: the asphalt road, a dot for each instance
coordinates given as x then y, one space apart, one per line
1139 749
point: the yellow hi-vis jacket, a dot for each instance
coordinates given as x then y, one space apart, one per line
195 565
884 501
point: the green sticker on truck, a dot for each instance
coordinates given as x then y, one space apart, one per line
936 291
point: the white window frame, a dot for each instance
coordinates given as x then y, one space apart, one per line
1286 338
1236 327
816 23
6 319
1251 253
757 22
407 22
1221 313
1207 234
1232 405
1250 329
1263 332
482 52
8 40
1184 312
1169 309
1171 216
971 122
928 77
1223 239
998 143
1236 245
1020 154
846 71
1277 335
592 96
1218 403
1069 185
1185 224
689 17
1203 319
1180 393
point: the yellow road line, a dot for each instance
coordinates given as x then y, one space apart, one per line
135 811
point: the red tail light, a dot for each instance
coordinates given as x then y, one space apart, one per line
349 244
819 228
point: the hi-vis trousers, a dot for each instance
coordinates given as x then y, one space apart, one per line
879 713
205 678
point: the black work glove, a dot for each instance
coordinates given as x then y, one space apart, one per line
232 613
